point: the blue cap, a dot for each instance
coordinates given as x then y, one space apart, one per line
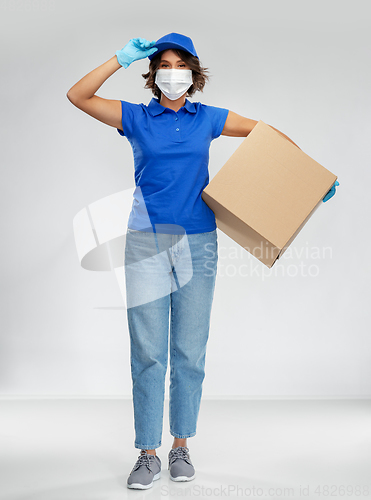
174 41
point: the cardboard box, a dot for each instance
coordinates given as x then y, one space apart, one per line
266 192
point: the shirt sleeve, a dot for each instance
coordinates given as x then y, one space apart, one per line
217 117
128 112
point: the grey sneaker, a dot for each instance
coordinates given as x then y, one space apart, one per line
180 465
146 470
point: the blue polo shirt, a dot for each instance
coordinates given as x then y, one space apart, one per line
171 160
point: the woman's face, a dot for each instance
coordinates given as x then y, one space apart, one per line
171 60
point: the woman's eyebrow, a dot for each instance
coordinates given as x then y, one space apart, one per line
164 60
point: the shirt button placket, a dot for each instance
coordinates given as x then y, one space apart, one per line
177 129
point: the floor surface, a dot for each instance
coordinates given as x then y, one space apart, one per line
277 449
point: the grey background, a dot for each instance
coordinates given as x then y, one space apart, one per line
301 67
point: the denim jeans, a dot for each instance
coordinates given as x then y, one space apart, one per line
170 281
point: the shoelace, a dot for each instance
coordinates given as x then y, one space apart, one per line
142 460
180 452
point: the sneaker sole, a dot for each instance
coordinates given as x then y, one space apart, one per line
182 478
138 486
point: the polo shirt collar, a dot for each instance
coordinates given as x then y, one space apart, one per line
155 108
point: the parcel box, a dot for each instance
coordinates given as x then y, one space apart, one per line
266 192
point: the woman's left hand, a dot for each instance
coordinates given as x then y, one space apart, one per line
331 193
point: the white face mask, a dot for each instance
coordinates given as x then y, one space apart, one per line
173 83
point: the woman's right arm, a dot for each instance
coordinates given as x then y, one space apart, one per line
108 110
82 95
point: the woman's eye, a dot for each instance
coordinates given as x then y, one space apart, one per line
163 65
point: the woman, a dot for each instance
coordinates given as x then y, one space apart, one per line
170 139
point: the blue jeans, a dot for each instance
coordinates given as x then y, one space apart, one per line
170 281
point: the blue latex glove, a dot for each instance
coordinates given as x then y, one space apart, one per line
135 49
331 193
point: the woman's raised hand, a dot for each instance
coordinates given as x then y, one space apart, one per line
135 49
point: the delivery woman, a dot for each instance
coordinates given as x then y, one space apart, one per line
171 247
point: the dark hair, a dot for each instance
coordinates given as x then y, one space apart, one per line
199 75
